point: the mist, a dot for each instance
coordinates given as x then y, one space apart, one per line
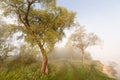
101 17
96 53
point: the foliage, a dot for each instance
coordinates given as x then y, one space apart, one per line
59 71
41 21
6 32
4 50
82 40
46 22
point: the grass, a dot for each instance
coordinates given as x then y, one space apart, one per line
59 70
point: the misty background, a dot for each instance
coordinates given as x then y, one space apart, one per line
103 18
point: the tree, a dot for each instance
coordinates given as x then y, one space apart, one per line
41 22
82 40
110 69
5 47
4 50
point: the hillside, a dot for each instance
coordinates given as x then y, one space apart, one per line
59 70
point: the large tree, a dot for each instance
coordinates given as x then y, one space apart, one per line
41 22
82 40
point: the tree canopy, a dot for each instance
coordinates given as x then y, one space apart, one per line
44 18
41 21
82 40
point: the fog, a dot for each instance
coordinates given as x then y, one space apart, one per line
106 52
109 52
101 17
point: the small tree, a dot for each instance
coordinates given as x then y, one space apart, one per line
82 40
4 50
5 47
41 21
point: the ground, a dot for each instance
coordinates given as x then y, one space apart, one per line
59 70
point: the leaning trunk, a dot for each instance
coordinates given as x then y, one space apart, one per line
44 68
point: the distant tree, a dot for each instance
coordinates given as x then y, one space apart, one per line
4 50
81 39
110 69
5 47
41 22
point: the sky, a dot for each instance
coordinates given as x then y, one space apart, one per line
103 18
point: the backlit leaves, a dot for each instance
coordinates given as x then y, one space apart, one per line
47 21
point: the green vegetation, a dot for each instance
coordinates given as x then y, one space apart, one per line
82 40
42 26
21 68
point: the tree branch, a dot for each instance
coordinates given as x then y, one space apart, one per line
28 10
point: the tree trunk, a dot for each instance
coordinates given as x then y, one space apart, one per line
44 68
2 60
71 56
83 60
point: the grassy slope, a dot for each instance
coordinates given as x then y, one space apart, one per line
60 70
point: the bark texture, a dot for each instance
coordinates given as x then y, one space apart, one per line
44 68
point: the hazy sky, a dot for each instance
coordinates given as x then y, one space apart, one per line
103 18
